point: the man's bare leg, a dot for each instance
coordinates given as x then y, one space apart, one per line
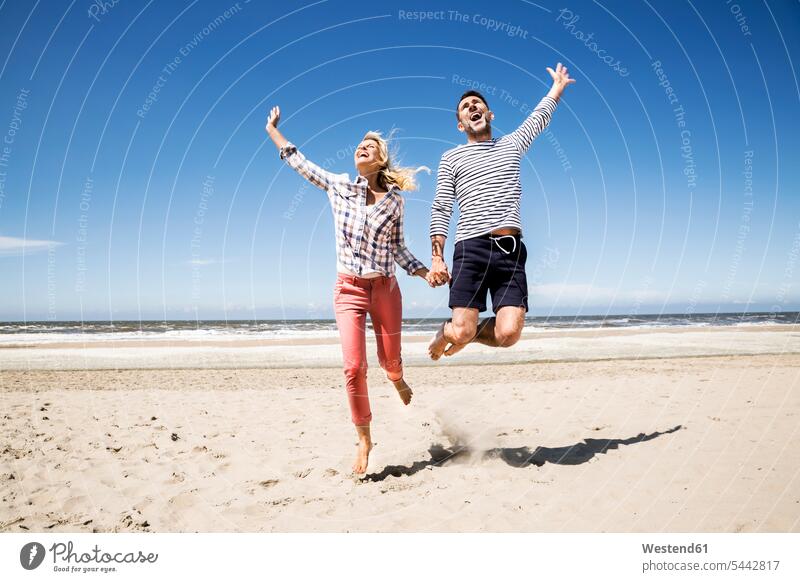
460 330
501 331
482 335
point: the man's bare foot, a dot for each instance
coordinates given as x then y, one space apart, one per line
438 344
454 349
403 389
362 456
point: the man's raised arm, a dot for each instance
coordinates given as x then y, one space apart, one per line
540 117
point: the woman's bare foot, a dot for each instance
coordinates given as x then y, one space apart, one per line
362 457
362 450
438 344
403 389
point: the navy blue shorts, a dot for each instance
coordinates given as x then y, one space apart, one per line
493 264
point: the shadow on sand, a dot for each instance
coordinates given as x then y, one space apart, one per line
519 457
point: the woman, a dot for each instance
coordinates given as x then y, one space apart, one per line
368 213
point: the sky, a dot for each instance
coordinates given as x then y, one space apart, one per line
137 181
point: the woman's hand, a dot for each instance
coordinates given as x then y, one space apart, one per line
274 118
423 272
272 128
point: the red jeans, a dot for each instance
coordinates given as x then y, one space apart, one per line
354 298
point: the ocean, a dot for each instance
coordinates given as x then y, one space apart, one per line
85 331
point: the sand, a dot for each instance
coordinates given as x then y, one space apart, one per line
635 431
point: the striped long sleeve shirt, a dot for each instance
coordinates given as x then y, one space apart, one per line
484 178
370 238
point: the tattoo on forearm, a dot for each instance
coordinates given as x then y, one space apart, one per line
436 248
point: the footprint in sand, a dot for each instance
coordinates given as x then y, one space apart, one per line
178 477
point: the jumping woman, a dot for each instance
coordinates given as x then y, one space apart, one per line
368 214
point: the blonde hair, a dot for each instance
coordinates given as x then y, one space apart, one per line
390 174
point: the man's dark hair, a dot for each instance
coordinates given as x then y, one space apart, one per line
471 94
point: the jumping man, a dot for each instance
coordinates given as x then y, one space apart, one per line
483 175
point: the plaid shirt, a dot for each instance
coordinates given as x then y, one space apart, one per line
368 238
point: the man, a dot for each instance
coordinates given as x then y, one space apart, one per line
483 175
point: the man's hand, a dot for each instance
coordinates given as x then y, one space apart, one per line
274 118
561 79
438 274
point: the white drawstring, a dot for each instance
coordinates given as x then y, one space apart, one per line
499 246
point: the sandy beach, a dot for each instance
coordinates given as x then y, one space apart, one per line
570 431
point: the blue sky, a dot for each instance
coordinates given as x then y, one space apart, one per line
136 180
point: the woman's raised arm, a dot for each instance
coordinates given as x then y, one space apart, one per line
309 170
272 128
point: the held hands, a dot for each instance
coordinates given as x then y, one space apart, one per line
274 118
561 79
438 274
425 274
